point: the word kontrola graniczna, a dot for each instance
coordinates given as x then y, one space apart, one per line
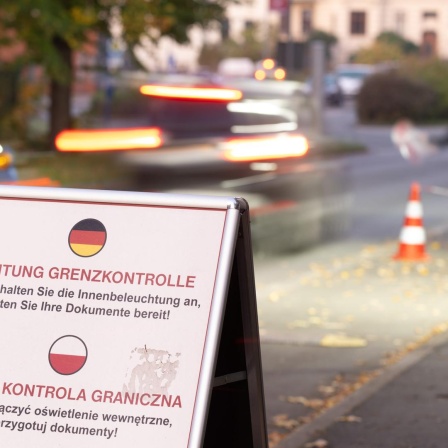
98 276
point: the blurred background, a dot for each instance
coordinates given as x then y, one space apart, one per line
299 69
321 114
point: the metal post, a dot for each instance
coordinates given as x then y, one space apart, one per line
317 72
290 43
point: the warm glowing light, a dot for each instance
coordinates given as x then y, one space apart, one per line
38 182
192 93
260 75
5 160
108 139
280 74
259 148
268 64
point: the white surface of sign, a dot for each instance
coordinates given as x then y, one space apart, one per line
414 144
104 312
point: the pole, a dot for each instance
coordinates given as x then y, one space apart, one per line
317 73
290 42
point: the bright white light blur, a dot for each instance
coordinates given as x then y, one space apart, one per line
264 128
263 166
263 108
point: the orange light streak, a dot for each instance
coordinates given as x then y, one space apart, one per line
89 140
253 149
38 182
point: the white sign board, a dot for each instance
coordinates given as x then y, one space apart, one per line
110 306
414 144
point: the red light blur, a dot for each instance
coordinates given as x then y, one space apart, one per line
90 140
192 93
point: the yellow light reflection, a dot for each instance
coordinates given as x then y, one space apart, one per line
259 148
192 93
260 75
89 140
268 64
280 74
